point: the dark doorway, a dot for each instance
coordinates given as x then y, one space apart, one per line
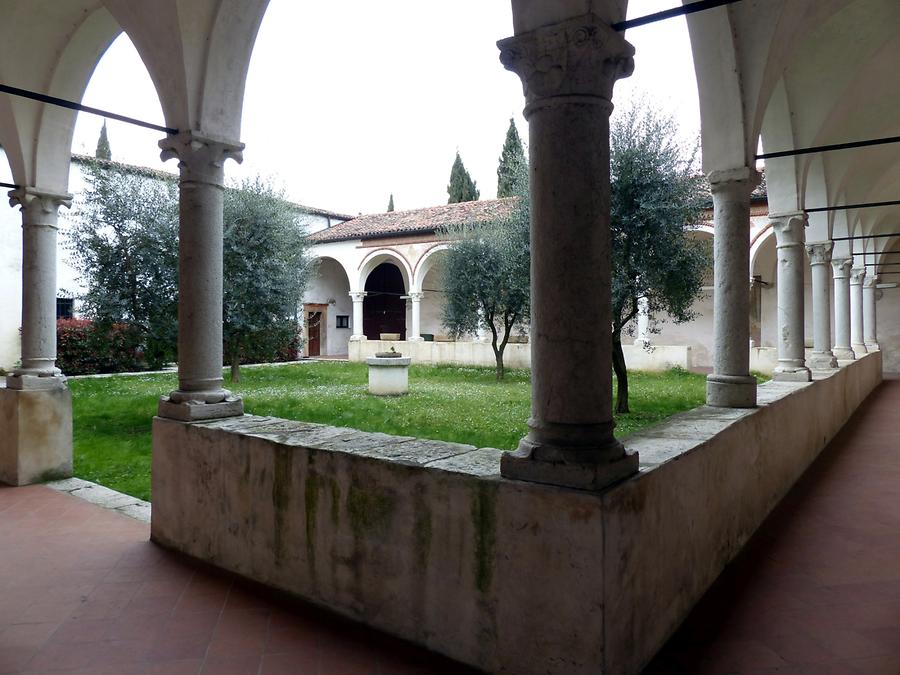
314 333
384 310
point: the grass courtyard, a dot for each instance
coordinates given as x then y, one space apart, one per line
112 414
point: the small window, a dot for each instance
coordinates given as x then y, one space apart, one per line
65 308
343 321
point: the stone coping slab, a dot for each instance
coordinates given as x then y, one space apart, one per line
103 496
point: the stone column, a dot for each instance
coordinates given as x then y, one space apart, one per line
36 404
819 258
415 335
870 322
730 385
643 323
358 297
789 235
568 71
40 211
857 341
200 394
842 349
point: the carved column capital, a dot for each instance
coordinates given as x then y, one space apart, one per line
841 267
789 228
870 281
857 275
416 296
39 206
357 296
820 252
577 61
201 159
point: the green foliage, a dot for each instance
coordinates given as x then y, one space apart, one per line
113 415
266 271
461 188
391 203
513 167
95 347
657 198
103 151
124 243
487 277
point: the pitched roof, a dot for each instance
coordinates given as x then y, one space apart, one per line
417 220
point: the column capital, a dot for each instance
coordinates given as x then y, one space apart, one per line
416 296
841 267
577 61
857 275
201 158
870 282
820 252
741 181
789 228
38 204
357 296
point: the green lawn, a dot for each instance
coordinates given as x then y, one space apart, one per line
112 414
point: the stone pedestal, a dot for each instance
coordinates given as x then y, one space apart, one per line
842 349
388 376
568 71
730 385
200 394
822 357
35 435
870 315
857 340
357 297
789 236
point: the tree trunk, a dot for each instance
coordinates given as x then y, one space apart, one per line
498 356
618 362
236 367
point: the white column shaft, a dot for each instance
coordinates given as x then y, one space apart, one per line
415 334
870 322
789 235
643 322
842 349
857 340
819 259
730 385
39 234
358 298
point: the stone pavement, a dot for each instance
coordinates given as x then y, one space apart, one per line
817 589
82 590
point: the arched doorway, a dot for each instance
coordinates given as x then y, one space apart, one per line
384 307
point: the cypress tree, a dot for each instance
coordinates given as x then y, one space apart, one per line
461 188
103 151
391 203
512 169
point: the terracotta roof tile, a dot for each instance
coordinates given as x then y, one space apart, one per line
417 220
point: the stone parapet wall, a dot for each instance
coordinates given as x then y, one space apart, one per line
424 539
516 355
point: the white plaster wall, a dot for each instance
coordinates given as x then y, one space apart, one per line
888 317
696 334
433 301
10 285
330 283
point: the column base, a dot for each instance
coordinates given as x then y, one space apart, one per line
358 338
859 349
731 391
822 361
872 347
197 411
792 374
28 381
843 354
36 443
580 468
415 339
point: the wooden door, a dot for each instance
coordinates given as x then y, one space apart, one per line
314 334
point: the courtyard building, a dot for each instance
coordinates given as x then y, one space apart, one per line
577 552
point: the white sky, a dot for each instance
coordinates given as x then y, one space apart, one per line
348 102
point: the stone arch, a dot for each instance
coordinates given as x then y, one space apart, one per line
328 296
425 263
381 255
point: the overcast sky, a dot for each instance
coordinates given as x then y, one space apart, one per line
349 102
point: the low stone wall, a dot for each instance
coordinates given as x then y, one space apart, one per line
425 540
516 355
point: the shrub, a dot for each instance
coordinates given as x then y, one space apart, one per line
86 347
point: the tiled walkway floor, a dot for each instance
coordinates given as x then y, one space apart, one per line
82 590
817 590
